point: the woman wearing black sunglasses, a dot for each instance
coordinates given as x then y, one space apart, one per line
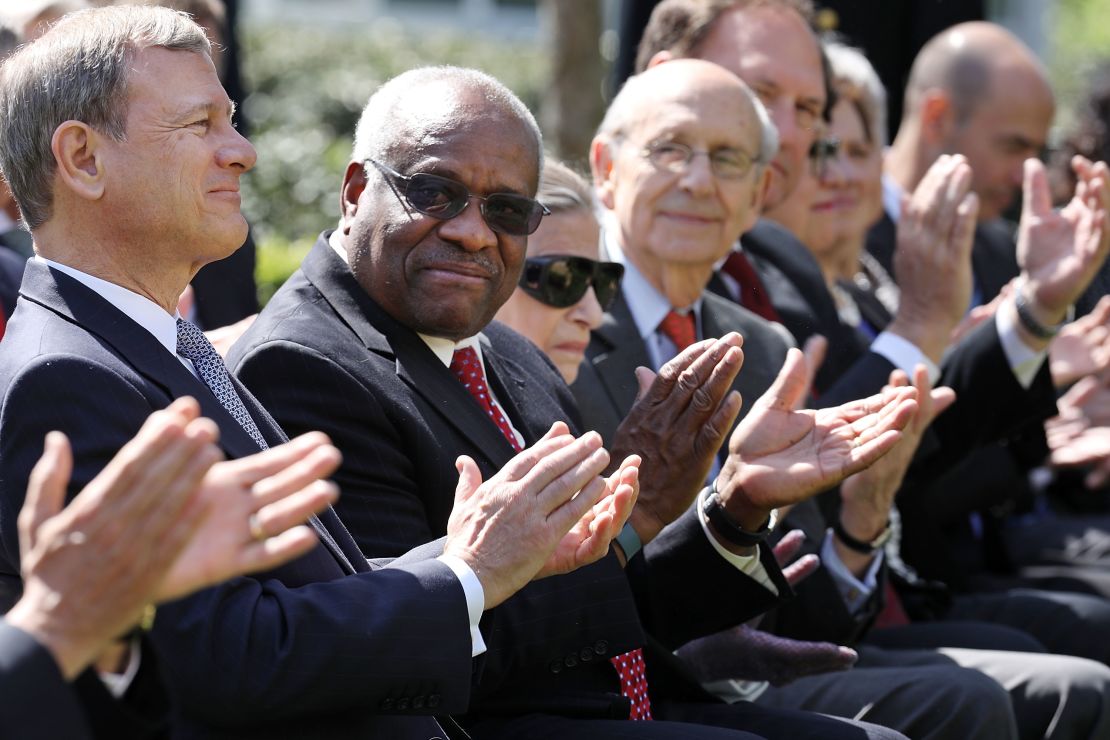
563 289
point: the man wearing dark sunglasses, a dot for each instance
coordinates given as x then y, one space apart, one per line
384 339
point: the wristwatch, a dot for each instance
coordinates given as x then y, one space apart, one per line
1030 322
728 528
866 548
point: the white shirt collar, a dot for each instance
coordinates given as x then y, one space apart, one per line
892 198
140 309
647 305
444 349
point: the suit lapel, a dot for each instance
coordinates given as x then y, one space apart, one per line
138 348
531 409
620 350
417 365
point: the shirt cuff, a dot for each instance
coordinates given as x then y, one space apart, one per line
1024 361
118 683
904 354
475 599
854 591
749 565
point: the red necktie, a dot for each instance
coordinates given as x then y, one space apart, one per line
3 322
893 613
633 673
468 369
753 294
679 328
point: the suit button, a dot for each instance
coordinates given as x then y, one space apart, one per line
556 665
571 660
403 705
601 647
433 701
386 704
586 655
418 702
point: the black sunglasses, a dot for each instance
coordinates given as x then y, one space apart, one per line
443 198
560 280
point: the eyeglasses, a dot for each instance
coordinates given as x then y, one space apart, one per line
443 198
727 163
821 152
560 280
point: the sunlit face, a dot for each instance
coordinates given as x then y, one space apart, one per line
689 216
562 333
848 197
442 278
174 180
1008 127
775 53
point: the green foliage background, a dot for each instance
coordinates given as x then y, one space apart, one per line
308 86
1080 41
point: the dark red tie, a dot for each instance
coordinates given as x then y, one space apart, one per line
893 613
468 369
679 328
753 294
633 673
3 322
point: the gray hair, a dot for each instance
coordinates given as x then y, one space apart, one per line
618 118
562 189
857 82
380 133
77 71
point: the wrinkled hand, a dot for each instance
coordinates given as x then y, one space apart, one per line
932 262
744 653
1082 347
677 425
90 569
779 456
868 495
1060 251
786 549
507 528
281 488
1090 447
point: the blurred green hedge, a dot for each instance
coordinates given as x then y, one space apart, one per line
308 86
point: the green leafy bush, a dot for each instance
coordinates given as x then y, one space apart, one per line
308 86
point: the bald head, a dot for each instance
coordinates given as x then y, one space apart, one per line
976 90
681 82
968 61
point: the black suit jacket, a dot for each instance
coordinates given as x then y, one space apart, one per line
11 275
323 355
320 647
38 703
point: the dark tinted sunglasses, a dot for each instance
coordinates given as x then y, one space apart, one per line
443 198
560 280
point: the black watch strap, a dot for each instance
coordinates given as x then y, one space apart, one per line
728 528
866 548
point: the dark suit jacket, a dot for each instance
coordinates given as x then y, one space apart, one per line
11 275
323 355
38 703
319 647
606 390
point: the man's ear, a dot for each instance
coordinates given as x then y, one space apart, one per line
602 166
759 194
938 118
663 55
81 158
354 182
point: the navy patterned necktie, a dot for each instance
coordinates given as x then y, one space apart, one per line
194 346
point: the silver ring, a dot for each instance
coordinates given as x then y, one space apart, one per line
256 528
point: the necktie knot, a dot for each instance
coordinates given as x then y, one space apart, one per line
679 328
195 347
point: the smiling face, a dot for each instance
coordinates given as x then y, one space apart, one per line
443 278
848 198
562 333
173 182
690 216
774 52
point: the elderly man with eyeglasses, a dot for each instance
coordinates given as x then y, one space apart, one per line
384 339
